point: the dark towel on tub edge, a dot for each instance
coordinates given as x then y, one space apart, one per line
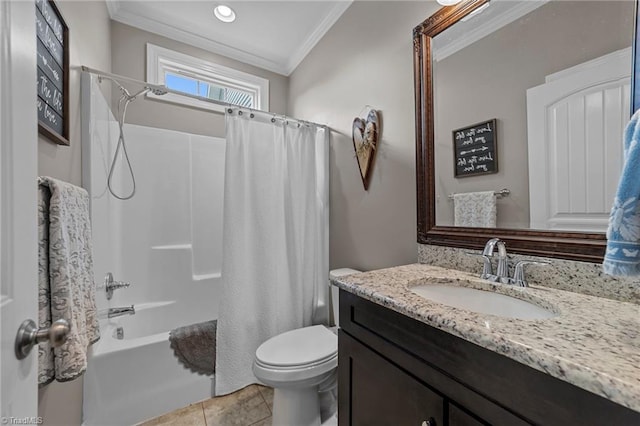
195 346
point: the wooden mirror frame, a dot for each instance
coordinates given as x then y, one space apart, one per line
582 246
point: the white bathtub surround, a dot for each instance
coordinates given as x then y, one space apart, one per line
66 286
580 277
275 238
165 241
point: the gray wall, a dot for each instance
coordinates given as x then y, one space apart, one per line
128 56
90 41
366 59
89 30
489 79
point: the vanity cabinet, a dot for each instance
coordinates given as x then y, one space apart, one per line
394 370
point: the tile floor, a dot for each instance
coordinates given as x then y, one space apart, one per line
250 406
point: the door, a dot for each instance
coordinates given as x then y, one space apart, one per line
18 216
575 125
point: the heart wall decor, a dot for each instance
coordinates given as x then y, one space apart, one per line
365 140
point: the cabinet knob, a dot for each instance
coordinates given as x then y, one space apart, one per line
430 422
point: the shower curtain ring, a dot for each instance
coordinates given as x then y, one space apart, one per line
239 112
251 115
230 111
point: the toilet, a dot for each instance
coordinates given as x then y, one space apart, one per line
299 364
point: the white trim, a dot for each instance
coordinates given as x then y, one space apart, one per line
196 40
160 60
332 17
18 205
280 66
113 6
618 60
484 29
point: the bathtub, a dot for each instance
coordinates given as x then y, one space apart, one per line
138 377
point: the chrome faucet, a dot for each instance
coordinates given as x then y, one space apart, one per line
502 272
118 312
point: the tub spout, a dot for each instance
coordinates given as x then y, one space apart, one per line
118 312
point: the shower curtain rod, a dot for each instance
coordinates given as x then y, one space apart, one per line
156 89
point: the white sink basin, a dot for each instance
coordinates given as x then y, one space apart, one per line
483 302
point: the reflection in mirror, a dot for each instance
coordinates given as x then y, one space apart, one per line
555 76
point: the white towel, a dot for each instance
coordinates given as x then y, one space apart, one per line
475 209
66 288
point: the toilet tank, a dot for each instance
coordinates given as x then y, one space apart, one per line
336 273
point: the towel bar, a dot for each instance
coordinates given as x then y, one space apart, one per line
502 193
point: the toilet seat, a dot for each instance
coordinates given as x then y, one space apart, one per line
295 376
303 354
297 348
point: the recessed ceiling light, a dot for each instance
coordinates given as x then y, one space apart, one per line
224 13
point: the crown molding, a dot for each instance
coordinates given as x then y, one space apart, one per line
196 40
112 7
332 17
487 27
284 67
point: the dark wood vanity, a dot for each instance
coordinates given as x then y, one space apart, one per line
394 370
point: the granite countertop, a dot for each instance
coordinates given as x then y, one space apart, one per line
594 343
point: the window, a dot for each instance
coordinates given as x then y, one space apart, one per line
198 77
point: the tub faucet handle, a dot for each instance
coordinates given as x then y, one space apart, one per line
110 285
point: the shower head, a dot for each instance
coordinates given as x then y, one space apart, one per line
157 90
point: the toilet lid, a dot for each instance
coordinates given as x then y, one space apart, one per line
298 347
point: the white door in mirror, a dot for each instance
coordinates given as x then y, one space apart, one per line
575 121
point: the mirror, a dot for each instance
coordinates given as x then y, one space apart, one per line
549 84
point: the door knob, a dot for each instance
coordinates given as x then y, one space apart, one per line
30 335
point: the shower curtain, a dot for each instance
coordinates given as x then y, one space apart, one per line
275 238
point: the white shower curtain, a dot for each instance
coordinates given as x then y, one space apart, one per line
275 238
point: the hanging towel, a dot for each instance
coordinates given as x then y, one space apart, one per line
195 346
66 289
623 246
476 209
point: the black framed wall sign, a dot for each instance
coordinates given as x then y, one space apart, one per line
475 149
52 50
